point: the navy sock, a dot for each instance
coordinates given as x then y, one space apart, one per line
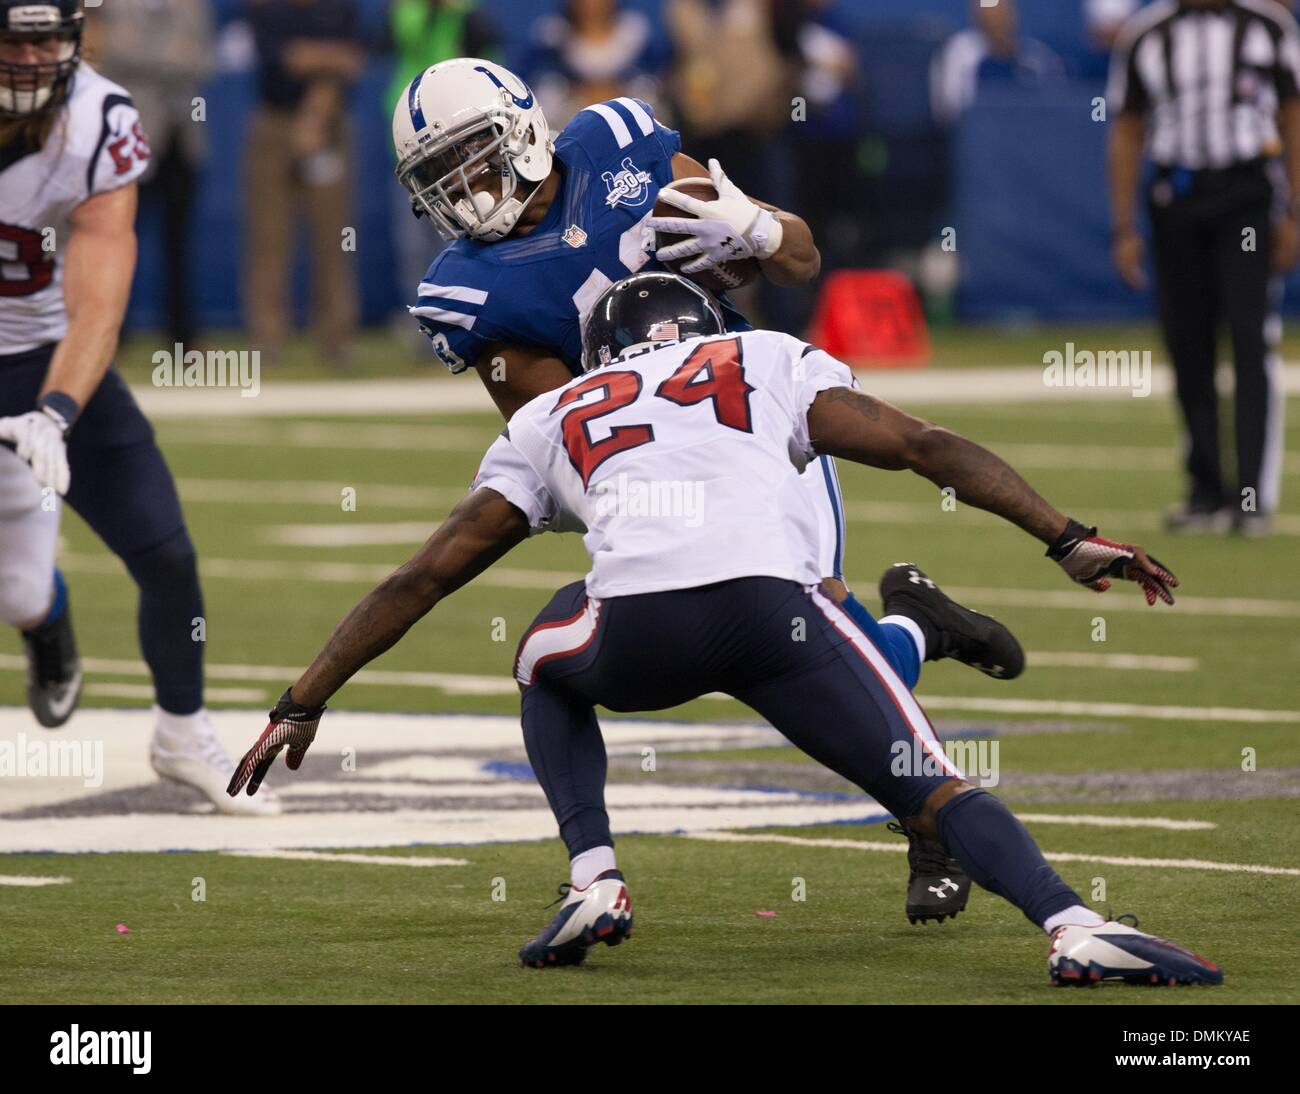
892 640
999 854
567 754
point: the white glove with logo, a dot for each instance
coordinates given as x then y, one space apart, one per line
38 438
729 228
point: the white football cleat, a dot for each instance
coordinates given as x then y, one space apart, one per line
1083 956
602 912
193 755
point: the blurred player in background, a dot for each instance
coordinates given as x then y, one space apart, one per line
676 608
543 227
71 150
164 51
297 164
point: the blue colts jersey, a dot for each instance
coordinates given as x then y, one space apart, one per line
537 290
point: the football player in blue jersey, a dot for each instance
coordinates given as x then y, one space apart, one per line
542 227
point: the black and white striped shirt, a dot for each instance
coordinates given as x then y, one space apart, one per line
1208 79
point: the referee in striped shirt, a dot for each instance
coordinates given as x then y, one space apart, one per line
1210 89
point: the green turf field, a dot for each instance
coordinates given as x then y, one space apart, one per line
1091 728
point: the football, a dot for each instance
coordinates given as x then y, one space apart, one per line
719 278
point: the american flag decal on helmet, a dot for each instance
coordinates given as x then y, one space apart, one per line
664 332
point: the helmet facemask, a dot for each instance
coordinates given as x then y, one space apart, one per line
30 89
447 177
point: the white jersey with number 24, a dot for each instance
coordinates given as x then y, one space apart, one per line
682 463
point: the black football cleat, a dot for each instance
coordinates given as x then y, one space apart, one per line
53 670
950 630
937 887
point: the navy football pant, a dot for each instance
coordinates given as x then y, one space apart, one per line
795 657
122 488
792 654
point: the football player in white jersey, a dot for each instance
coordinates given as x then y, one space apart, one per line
33 595
71 149
679 453
543 226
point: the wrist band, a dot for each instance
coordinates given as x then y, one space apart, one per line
60 405
766 235
1074 532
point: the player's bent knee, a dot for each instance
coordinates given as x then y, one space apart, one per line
24 597
171 562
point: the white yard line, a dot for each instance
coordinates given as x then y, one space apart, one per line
1051 856
1119 459
1129 457
354 533
1117 601
482 685
932 513
1095 820
382 437
437 501
464 395
145 691
507 577
1112 662
28 881
451 683
1093 709
361 860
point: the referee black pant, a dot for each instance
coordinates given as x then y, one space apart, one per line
1212 246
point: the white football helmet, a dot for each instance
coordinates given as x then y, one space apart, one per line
459 124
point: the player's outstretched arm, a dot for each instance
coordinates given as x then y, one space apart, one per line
853 425
478 531
781 241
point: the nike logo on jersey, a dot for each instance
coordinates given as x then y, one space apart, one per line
523 104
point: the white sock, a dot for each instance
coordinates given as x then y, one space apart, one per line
178 725
589 865
909 625
1077 916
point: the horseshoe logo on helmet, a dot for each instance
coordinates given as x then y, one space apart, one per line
523 104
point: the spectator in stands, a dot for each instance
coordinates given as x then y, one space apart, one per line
735 73
298 160
591 51
161 51
1103 18
421 33
990 50
827 133
734 77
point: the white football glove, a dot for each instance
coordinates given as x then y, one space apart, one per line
730 228
37 437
